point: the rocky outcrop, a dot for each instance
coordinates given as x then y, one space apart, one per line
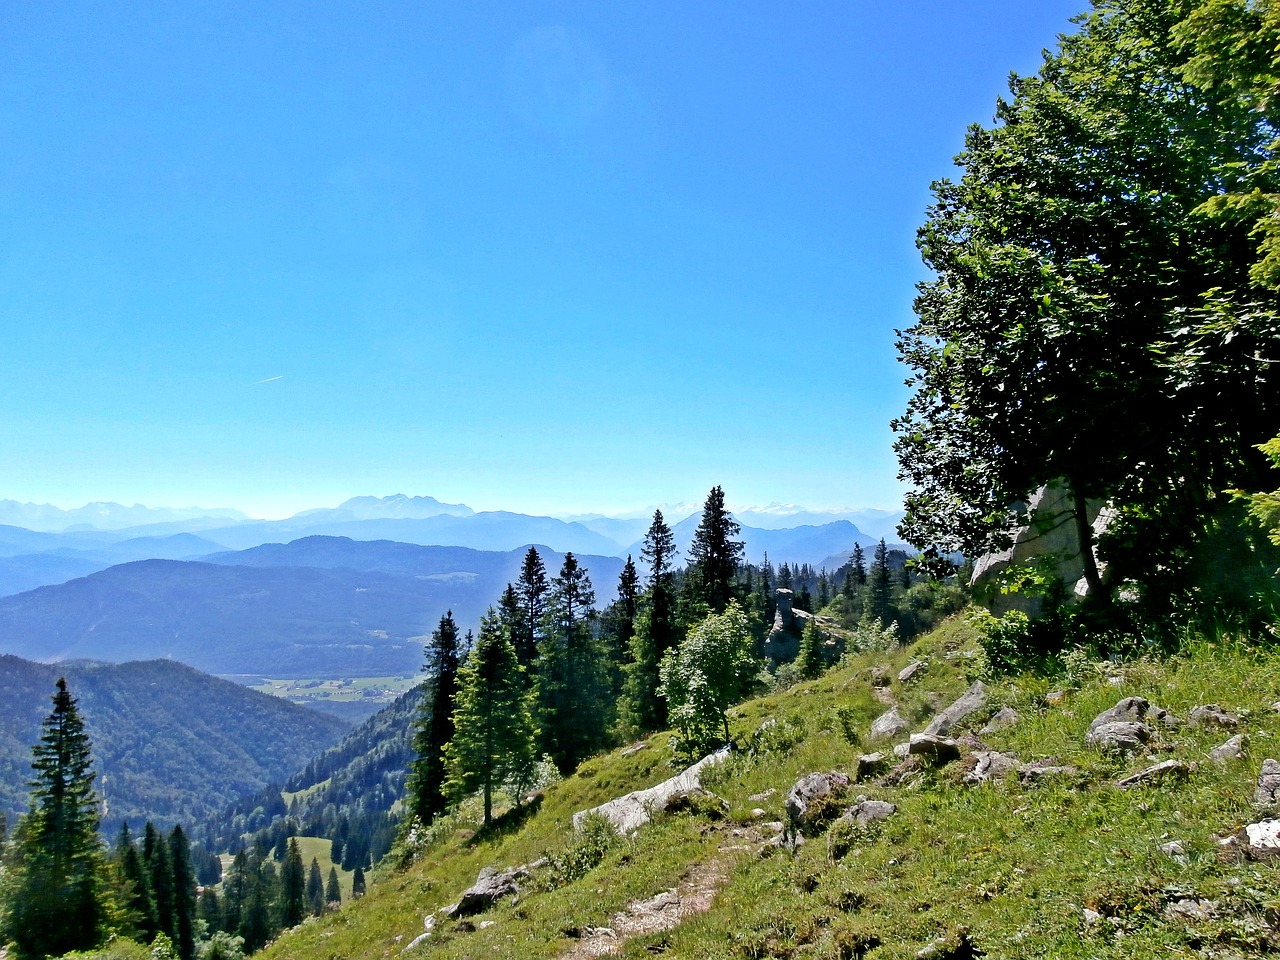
631 812
783 642
1047 539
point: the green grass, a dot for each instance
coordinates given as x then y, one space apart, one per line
1016 865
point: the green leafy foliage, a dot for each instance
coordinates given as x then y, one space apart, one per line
714 668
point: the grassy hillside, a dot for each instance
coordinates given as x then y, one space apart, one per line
1069 867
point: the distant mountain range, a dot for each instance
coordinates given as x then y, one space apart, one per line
34 557
317 607
171 744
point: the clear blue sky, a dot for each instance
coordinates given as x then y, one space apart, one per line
533 256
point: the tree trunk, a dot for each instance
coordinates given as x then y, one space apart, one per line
1084 535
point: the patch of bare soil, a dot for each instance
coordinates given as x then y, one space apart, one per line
693 894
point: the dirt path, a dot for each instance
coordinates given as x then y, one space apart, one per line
693 894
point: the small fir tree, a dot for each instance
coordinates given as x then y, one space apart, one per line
332 889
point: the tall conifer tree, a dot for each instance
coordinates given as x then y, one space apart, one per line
714 554
434 727
54 906
493 728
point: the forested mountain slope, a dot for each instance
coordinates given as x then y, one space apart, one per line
171 744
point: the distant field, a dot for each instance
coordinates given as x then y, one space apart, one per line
373 692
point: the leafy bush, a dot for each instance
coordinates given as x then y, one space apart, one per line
596 837
1006 641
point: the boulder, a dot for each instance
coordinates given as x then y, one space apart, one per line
813 800
990 765
869 811
888 724
1004 718
971 701
1188 909
1268 790
1212 715
871 765
631 812
1263 837
483 894
1120 736
1155 773
1232 749
1175 850
935 749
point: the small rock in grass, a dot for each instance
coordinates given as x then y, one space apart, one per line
1039 770
1174 850
1233 749
1004 718
971 701
990 765
934 748
888 724
1119 736
1156 773
869 811
1268 791
1212 715
1263 837
911 671
1187 909
812 800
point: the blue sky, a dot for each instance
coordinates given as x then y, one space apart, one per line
546 257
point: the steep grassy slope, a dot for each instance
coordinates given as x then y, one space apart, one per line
1070 867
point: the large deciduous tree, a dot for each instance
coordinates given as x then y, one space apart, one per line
51 892
1083 236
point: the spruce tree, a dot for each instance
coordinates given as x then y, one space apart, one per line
293 887
531 592
315 888
357 884
571 681
184 894
136 900
53 888
434 725
159 866
493 739
661 632
810 661
879 586
332 889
